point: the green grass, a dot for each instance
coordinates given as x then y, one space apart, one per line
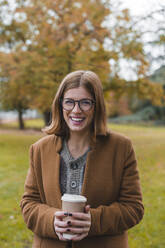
149 143
13 168
30 123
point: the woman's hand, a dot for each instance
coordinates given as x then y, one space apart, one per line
79 224
60 225
83 223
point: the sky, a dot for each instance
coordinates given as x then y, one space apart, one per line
142 7
139 9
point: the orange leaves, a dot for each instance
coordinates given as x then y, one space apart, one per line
57 37
162 39
151 91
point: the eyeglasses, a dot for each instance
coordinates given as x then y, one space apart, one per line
84 104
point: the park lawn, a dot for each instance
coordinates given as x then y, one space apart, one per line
149 144
29 124
13 168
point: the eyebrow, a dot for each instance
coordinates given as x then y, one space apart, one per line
78 99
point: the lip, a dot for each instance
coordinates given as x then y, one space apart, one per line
77 117
77 121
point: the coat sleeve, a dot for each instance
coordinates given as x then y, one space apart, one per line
128 210
38 216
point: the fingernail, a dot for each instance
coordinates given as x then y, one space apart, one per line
69 214
68 230
66 214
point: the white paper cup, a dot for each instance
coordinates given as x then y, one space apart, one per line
72 203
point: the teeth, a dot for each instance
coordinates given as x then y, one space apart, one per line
76 119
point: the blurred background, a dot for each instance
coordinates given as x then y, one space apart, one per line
124 43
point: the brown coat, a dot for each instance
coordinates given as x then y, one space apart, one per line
111 185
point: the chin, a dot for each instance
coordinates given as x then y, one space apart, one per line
78 129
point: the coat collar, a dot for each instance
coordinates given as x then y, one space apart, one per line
58 141
89 169
54 176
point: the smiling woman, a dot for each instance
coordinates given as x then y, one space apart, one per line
80 156
79 85
78 110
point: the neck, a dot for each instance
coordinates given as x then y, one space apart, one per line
79 139
78 143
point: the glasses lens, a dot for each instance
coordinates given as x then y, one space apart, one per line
86 104
68 104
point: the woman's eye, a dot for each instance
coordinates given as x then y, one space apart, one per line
86 102
68 102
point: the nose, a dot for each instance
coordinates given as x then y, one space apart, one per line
76 108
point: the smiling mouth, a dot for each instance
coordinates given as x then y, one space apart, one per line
77 119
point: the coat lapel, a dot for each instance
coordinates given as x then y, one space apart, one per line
88 173
94 171
51 173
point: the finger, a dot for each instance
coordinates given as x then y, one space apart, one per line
61 229
78 230
61 214
81 216
79 223
60 236
87 208
59 223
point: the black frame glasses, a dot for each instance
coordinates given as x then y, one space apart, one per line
84 104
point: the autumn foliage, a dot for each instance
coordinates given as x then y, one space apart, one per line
45 40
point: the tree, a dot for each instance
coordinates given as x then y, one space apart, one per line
152 28
67 35
14 88
59 40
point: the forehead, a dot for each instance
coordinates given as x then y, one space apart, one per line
77 93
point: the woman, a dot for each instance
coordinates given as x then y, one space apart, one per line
80 156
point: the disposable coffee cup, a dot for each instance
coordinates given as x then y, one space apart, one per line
72 203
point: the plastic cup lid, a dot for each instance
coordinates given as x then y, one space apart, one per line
73 198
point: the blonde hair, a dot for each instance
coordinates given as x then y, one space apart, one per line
91 82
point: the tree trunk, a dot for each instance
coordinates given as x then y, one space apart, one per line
47 117
20 119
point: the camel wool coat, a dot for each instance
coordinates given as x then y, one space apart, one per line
111 185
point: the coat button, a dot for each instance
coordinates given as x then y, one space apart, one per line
74 166
73 184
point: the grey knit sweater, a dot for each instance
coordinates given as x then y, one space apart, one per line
71 171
